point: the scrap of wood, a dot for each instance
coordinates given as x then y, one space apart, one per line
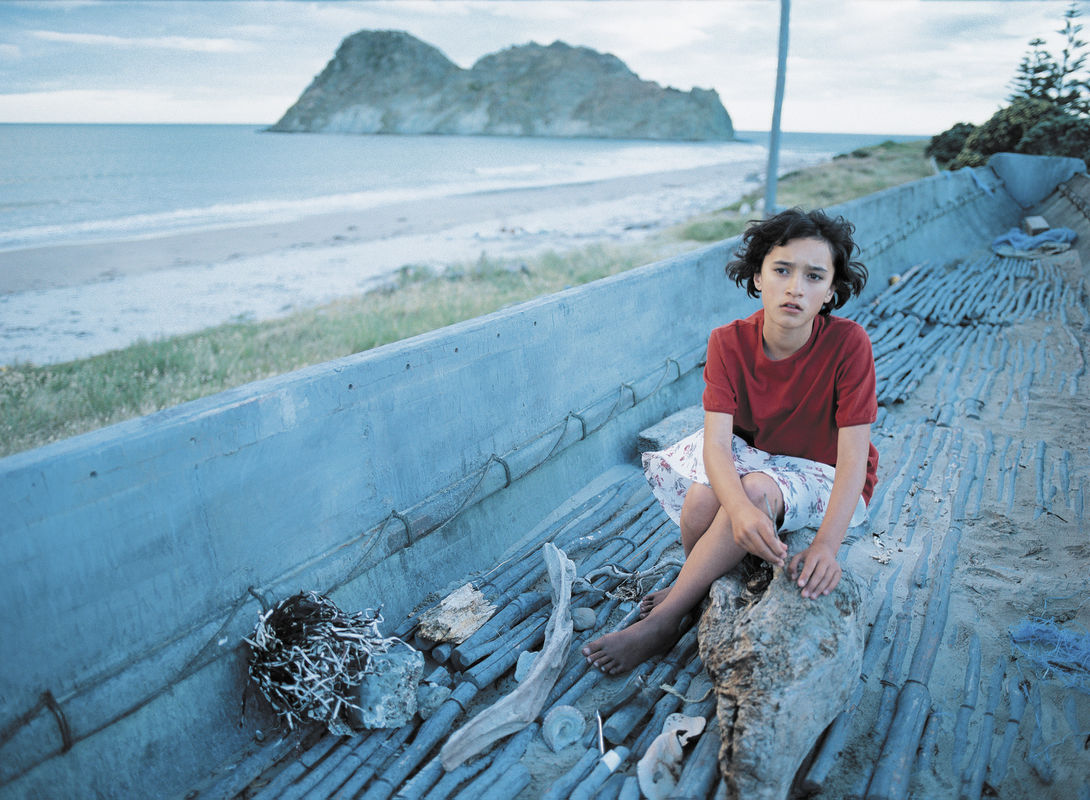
457 617
516 710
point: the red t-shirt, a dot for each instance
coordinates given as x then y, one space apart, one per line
796 405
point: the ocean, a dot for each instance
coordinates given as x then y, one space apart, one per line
66 184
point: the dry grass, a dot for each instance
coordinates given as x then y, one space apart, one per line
846 177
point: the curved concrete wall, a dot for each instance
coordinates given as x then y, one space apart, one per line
136 557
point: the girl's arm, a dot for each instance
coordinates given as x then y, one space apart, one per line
821 572
750 526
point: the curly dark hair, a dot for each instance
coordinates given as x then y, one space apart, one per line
849 277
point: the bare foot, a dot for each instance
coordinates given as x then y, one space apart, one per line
622 650
649 601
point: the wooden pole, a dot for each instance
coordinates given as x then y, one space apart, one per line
777 106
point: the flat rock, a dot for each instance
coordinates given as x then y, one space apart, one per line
671 430
387 692
583 618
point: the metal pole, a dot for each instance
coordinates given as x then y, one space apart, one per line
774 138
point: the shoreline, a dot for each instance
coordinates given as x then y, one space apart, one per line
68 301
68 264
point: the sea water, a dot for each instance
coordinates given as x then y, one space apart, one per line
62 184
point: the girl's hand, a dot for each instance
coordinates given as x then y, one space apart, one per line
820 571
754 532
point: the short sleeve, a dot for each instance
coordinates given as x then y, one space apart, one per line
856 396
720 374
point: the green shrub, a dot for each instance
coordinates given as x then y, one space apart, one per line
1060 135
1003 132
944 147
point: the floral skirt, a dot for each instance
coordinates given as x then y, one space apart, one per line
805 484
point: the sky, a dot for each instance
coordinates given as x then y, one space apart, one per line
854 66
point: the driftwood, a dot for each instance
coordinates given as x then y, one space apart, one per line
784 667
457 617
518 709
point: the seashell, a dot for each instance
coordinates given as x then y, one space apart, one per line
660 767
562 726
583 618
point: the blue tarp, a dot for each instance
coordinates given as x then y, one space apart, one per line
1020 240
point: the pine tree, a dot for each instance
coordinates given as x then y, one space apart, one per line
1041 76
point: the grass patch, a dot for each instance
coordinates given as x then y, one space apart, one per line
41 404
846 177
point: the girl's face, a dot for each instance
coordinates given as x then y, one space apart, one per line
795 281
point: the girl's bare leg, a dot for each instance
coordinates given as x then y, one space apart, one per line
713 554
697 513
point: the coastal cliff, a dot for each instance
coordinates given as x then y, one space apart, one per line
390 82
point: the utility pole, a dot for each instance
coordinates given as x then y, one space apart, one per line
774 137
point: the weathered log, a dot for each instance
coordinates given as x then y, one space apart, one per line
518 709
605 767
968 704
562 786
507 756
391 775
784 667
667 704
894 769
837 734
998 770
973 780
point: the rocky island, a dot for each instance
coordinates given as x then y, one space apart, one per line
391 82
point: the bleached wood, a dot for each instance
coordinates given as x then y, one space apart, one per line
518 709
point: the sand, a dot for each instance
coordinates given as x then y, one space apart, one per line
66 302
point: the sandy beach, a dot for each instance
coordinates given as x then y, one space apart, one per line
64 302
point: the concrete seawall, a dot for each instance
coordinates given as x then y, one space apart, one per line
136 557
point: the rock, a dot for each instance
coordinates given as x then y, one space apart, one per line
429 696
391 82
784 667
583 618
457 617
387 692
671 430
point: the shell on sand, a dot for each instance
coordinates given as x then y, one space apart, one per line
562 726
661 765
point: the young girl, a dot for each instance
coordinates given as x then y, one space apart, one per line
789 395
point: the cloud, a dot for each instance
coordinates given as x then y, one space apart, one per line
10 52
189 44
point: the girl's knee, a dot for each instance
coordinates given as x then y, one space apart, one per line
764 493
697 513
699 507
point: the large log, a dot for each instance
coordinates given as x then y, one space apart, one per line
784 667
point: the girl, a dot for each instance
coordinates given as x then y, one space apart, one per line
789 395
